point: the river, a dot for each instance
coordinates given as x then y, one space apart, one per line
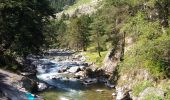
64 85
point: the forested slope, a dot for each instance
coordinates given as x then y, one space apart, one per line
141 26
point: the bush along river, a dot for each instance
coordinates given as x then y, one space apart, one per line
66 76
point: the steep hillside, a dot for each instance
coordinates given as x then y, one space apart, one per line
81 7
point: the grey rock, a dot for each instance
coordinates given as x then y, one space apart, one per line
151 91
74 69
42 86
122 94
103 80
29 85
82 67
80 73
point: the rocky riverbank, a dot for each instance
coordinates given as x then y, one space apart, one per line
16 87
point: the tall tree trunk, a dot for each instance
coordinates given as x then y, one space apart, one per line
98 48
98 44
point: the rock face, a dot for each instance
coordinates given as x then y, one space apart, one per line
113 58
151 91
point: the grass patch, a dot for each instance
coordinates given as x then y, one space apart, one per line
94 57
140 87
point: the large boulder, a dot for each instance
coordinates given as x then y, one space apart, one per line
30 85
95 73
151 91
74 69
80 73
42 86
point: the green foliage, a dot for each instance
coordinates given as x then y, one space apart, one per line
150 48
53 33
78 32
151 56
139 87
97 35
23 24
